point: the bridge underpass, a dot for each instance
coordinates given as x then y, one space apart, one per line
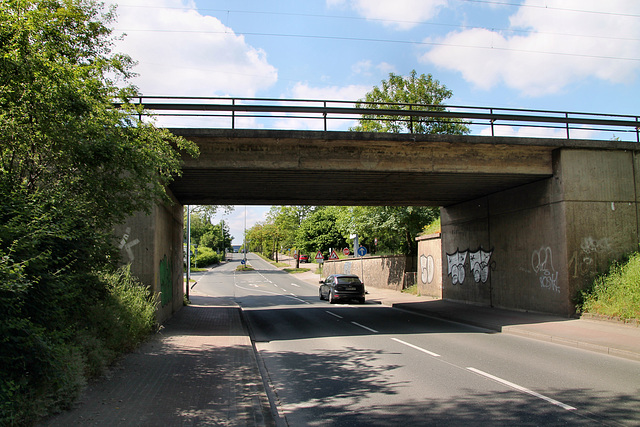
249 167
546 214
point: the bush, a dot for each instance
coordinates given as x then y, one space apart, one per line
617 293
206 256
43 368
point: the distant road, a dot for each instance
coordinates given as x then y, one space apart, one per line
374 365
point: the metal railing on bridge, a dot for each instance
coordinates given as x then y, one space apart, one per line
234 113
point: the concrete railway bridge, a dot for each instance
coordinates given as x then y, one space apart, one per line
550 212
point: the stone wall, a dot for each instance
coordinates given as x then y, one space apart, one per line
429 275
385 272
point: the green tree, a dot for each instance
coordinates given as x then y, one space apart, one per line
286 222
71 167
396 227
416 93
318 232
218 238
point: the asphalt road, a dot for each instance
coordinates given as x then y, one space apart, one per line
374 365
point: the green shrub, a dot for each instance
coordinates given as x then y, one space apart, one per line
44 367
617 293
206 257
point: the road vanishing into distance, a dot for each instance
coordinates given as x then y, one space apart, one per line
343 364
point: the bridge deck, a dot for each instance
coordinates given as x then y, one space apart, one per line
256 167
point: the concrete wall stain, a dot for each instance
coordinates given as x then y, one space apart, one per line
166 285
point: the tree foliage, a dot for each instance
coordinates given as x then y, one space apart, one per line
71 167
417 93
319 232
216 237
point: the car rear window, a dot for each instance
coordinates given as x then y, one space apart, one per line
348 280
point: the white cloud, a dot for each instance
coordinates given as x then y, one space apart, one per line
336 93
560 46
181 52
365 67
303 91
386 68
399 14
542 132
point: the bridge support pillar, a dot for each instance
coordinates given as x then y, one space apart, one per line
153 245
536 246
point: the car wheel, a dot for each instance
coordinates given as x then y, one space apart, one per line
361 300
330 298
321 297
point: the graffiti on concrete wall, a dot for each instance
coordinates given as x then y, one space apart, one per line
583 262
455 266
542 263
166 284
126 245
479 265
427 268
479 262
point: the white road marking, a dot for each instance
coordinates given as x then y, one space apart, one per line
293 284
336 315
297 299
522 389
430 353
365 327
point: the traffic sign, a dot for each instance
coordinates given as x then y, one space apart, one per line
362 251
346 251
242 262
319 255
333 255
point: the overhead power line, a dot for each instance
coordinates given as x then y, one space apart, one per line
563 9
422 23
362 39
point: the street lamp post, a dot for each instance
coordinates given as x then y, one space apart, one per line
188 250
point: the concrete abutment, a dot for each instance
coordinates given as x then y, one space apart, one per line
153 245
535 246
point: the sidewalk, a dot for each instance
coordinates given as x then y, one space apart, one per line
199 370
602 336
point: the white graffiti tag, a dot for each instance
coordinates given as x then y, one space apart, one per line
427 266
127 246
479 262
456 266
542 263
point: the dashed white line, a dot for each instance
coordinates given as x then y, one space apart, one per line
365 327
430 353
523 389
335 315
293 284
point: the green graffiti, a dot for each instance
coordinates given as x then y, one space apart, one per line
166 285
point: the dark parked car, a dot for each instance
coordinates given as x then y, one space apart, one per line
304 258
342 287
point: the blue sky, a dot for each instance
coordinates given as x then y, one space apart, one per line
573 55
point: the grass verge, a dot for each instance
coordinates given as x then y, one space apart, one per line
615 294
413 290
296 270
